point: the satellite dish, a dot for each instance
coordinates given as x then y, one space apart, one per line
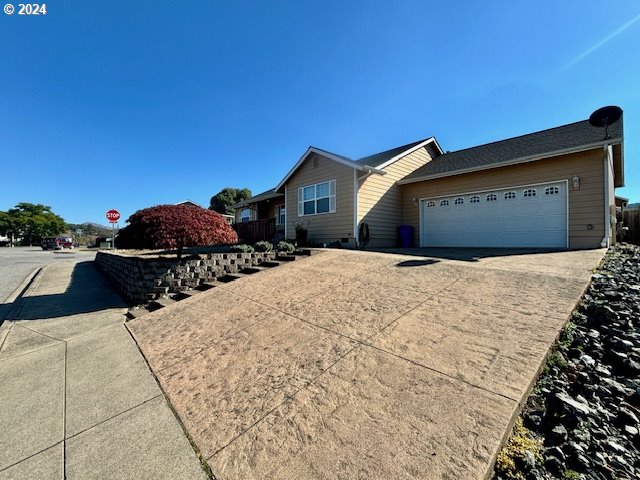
605 116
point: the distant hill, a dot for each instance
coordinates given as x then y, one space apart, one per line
90 229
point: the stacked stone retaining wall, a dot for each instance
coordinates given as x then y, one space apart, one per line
140 279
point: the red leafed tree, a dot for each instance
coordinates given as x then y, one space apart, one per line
175 226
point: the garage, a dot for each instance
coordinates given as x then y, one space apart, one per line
522 216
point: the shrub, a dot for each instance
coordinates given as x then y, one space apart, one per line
175 226
302 232
512 456
263 246
285 246
242 248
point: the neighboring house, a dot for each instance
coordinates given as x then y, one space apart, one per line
621 202
189 203
230 219
551 189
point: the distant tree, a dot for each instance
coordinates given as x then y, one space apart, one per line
32 222
223 201
175 226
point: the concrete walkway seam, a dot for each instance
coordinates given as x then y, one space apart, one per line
30 456
203 461
359 344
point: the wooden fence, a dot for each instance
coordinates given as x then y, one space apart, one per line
631 219
252 232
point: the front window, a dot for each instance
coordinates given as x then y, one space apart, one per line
318 198
282 217
245 215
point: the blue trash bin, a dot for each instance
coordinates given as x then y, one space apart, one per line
405 236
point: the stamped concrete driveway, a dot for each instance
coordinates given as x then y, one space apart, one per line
362 365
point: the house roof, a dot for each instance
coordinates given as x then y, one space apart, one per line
333 156
257 198
533 146
378 159
189 202
371 163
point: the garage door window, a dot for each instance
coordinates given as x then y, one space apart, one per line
510 195
530 192
551 191
431 204
475 199
444 203
459 201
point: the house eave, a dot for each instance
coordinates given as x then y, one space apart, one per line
411 150
330 156
516 161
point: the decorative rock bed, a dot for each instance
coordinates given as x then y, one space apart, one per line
583 414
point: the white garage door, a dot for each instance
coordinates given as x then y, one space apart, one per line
531 216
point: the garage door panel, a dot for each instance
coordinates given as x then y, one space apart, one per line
537 216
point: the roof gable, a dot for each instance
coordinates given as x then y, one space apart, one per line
386 158
331 156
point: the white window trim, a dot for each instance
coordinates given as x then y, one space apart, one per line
250 214
331 197
279 209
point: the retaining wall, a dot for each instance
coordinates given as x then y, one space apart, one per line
140 279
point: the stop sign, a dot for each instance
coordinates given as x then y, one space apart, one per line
113 216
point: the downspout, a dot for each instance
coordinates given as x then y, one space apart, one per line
286 212
355 208
606 241
356 182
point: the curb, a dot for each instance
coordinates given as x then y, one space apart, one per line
16 305
22 288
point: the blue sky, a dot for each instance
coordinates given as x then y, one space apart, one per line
131 104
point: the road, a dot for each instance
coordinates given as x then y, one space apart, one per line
17 263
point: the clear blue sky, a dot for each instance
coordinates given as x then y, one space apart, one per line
128 104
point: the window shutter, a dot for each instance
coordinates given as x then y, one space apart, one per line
300 204
332 196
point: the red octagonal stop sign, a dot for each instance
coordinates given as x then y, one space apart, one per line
113 216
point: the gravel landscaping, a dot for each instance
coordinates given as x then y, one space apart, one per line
581 419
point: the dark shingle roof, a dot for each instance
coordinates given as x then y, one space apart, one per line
378 159
256 198
572 136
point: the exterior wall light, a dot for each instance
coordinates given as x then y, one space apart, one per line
575 182
414 200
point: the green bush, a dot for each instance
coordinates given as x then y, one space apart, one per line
285 246
511 458
242 248
263 246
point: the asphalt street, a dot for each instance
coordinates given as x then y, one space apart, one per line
17 263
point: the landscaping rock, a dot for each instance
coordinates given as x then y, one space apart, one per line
585 408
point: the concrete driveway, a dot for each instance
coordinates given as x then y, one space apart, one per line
363 365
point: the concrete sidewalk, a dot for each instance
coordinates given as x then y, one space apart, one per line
78 400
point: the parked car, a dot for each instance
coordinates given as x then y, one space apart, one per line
50 243
56 243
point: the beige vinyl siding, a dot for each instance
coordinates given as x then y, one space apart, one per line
586 205
324 227
380 198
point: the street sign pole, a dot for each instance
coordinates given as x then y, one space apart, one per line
113 216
